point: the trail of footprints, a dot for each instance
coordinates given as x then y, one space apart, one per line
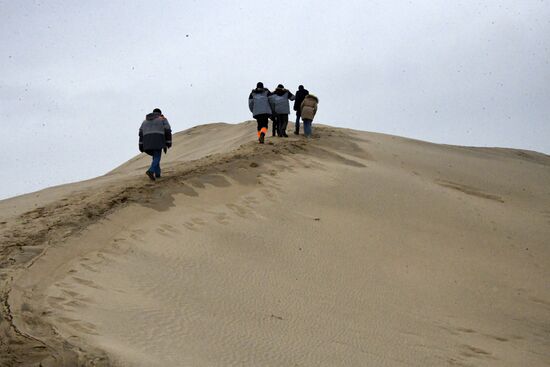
244 208
467 352
68 297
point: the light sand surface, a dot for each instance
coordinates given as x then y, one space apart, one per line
349 249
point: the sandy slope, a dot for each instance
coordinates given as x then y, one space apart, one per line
351 249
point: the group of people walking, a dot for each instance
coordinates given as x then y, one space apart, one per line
155 133
266 105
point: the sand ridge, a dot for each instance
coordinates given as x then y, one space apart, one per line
72 208
350 249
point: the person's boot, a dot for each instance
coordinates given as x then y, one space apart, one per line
262 137
151 175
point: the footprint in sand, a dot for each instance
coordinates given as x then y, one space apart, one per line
90 268
86 282
474 352
170 228
198 221
70 293
137 235
162 232
222 218
190 226
194 224
497 338
250 201
268 194
239 210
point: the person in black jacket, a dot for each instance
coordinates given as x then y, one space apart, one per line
155 135
301 93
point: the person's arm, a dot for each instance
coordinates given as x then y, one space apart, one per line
251 103
291 96
140 145
167 133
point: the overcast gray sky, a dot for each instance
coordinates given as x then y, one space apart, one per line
77 77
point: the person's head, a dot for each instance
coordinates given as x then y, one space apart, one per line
280 86
259 85
157 110
300 87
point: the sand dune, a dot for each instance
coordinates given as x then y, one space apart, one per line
350 249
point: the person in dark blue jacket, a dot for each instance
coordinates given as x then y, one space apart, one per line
301 93
155 135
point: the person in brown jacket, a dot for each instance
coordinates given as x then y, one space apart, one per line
308 110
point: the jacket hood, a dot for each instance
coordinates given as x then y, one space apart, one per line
260 90
313 97
152 116
280 91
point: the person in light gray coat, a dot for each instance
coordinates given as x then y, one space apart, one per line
279 104
155 135
258 103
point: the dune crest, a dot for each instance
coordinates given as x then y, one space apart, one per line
352 248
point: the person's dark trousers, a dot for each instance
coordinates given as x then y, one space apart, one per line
297 125
155 164
283 122
308 129
275 125
262 121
